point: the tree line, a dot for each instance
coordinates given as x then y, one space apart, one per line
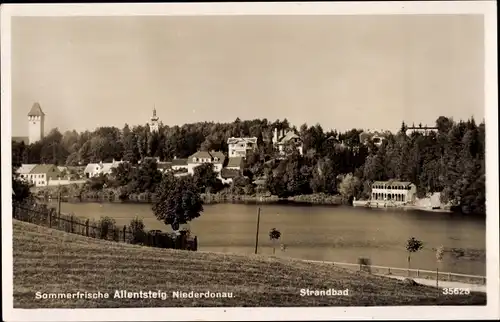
450 160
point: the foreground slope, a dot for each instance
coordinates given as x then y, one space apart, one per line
49 261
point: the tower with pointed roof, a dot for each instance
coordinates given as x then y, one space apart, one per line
154 122
36 123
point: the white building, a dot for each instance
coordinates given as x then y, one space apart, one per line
179 164
392 191
39 175
238 147
95 169
281 140
201 157
36 123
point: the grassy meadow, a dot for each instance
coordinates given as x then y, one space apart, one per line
51 261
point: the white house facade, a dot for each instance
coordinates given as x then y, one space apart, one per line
392 191
201 157
39 175
281 140
95 169
238 147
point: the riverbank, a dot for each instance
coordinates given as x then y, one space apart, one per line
170 270
115 195
369 204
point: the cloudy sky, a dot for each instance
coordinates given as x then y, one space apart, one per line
339 71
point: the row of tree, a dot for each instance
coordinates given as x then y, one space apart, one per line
450 160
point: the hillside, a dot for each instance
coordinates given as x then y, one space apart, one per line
48 261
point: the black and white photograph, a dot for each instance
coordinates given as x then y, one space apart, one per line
249 161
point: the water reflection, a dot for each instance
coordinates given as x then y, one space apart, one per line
340 234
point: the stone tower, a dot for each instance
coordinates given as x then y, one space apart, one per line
154 122
36 120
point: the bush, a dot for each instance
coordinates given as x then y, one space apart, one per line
136 231
107 228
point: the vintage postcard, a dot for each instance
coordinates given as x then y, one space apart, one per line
232 161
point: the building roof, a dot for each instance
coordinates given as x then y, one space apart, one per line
209 155
288 136
235 162
106 167
237 140
393 183
165 165
25 168
44 168
229 173
19 139
179 162
36 110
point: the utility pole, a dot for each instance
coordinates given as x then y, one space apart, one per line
59 200
257 234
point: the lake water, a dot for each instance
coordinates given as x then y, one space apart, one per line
341 233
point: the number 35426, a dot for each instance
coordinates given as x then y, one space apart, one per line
456 291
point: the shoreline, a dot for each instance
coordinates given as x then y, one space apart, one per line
365 204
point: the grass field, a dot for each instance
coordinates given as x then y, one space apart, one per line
51 261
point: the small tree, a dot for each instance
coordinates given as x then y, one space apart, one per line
349 187
439 258
413 245
274 235
178 201
106 226
136 230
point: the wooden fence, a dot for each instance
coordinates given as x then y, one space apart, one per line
102 229
411 272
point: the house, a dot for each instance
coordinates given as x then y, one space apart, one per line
227 175
179 164
164 166
201 157
39 174
238 147
24 170
393 191
281 140
375 136
235 163
95 169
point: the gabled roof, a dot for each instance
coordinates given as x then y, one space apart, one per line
289 136
36 110
229 173
179 162
235 162
237 140
164 165
25 168
209 155
19 139
44 168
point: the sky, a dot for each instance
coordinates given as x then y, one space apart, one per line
343 72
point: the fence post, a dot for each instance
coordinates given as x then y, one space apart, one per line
418 273
50 219
449 276
71 223
124 233
389 272
87 227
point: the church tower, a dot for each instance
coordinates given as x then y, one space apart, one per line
36 120
154 122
